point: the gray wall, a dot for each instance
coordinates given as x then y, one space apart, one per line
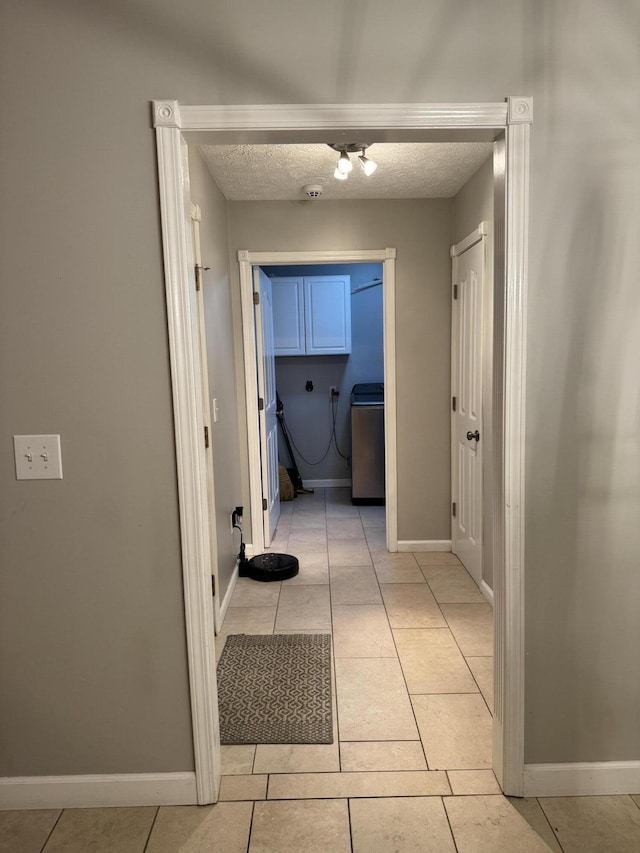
93 666
309 414
583 404
93 673
420 230
473 205
225 448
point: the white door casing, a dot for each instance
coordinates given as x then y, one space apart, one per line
195 532
468 265
206 411
176 124
246 261
267 409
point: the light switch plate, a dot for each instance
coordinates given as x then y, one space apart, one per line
38 457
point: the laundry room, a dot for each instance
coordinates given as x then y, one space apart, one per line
328 338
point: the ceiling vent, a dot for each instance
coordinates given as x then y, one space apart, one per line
312 190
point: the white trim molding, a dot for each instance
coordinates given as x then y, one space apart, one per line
182 320
511 394
226 601
175 125
424 545
486 590
93 791
284 118
246 260
470 240
582 779
390 397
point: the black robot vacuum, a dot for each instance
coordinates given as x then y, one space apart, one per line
269 567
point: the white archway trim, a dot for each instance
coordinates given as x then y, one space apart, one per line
387 257
299 122
182 319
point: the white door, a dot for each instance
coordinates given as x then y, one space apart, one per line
206 411
267 404
466 417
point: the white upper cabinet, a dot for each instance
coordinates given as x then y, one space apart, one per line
288 316
312 315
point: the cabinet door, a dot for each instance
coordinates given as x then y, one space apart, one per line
327 314
288 315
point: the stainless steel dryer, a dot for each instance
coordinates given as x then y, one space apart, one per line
367 443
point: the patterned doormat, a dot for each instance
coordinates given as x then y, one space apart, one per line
275 689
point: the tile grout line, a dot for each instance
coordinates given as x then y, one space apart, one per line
55 824
406 686
153 823
333 658
350 824
555 834
446 814
253 808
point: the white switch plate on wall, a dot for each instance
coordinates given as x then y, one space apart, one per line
38 457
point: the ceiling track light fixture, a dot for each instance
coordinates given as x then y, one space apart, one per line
344 165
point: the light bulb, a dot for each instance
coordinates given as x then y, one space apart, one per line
344 163
341 176
368 166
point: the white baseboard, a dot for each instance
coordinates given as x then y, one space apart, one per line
325 484
572 780
127 789
424 545
486 590
224 604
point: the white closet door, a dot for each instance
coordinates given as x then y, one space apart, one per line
466 430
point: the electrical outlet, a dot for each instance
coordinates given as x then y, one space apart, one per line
333 391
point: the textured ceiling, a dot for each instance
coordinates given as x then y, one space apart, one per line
405 170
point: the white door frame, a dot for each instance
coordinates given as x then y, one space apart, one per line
247 260
305 122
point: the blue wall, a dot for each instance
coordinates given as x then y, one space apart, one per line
309 414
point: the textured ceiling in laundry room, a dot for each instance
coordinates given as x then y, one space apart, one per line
405 170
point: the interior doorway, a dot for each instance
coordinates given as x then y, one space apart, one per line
315 387
248 261
174 125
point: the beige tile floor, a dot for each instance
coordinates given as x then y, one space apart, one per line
410 767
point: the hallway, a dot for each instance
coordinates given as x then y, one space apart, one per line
412 642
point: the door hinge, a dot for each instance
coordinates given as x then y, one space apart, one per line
454 402
265 505
453 509
455 291
256 297
206 438
213 584
198 269
260 404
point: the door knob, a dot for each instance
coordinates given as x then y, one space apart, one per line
472 435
